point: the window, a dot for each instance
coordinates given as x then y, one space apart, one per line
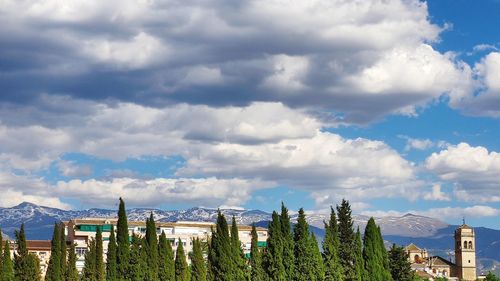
465 244
81 251
470 244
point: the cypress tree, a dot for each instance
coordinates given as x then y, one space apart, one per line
317 258
181 266
165 260
400 265
71 271
273 259
288 244
151 249
331 244
198 268
7 266
111 274
371 252
220 256
64 250
257 272
26 265
123 248
89 271
347 237
237 253
306 252
54 268
138 264
99 253
384 256
1 253
359 261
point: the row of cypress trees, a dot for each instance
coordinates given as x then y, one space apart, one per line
24 267
291 254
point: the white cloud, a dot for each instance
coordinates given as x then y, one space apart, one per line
419 144
142 50
473 170
71 169
16 189
205 191
437 194
363 59
485 99
476 211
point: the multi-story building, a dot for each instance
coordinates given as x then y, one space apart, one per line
40 248
81 231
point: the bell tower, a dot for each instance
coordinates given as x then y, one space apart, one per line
465 252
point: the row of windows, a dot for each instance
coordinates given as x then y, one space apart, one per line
467 245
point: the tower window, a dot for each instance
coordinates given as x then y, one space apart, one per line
465 244
470 244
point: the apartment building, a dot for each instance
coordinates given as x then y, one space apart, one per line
81 231
40 248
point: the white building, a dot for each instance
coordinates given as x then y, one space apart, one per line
80 231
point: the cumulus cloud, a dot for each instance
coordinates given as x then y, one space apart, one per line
70 169
266 142
419 144
485 101
362 59
202 191
437 194
473 171
476 211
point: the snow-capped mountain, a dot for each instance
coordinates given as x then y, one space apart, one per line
39 220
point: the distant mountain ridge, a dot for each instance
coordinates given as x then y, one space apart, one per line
39 220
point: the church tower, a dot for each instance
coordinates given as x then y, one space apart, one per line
465 253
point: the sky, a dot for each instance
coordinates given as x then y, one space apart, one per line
393 105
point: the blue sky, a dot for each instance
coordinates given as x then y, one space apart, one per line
393 105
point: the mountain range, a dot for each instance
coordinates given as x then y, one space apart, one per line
430 233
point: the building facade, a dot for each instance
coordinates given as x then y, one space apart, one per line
464 267
81 231
40 248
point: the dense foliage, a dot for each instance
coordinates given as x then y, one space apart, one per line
291 253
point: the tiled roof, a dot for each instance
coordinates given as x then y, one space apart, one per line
38 244
437 260
412 247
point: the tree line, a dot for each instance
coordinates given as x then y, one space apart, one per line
292 253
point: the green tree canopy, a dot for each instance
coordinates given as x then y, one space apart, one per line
181 266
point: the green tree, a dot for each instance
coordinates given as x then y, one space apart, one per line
26 265
257 272
198 268
7 266
288 244
237 253
64 251
111 274
99 253
89 271
273 258
491 277
123 247
331 244
165 259
347 237
374 253
221 265
317 259
137 262
359 261
54 268
400 265
151 249
1 253
305 252
181 266
71 271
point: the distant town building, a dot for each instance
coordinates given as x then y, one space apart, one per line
464 267
81 231
40 248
